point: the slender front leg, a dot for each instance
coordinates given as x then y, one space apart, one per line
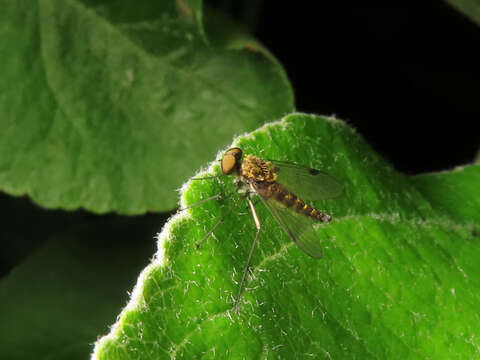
210 232
247 265
198 203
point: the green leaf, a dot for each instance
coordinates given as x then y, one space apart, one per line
54 304
470 8
454 192
110 106
399 277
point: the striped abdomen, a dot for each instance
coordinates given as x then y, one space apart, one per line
279 193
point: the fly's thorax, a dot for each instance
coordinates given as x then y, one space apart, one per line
257 170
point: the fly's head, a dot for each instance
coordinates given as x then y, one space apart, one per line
231 161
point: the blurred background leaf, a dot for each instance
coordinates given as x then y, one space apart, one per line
109 106
54 305
471 8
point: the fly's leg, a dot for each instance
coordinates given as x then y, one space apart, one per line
218 223
208 177
210 232
256 200
247 196
214 197
247 265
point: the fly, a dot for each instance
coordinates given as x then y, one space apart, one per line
283 187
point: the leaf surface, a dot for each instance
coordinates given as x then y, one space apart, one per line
398 278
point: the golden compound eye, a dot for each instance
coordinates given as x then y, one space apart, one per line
230 160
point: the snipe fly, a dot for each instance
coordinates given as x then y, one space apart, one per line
283 187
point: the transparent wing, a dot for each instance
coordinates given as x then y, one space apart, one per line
298 227
305 182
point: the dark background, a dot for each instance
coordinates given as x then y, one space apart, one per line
405 75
